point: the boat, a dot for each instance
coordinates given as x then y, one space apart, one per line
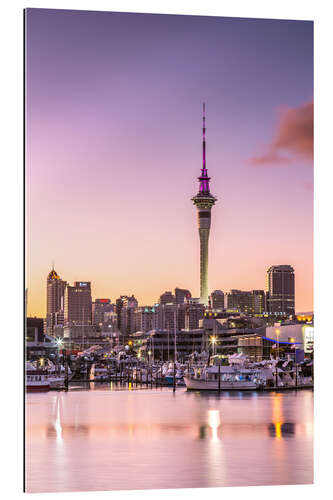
169 374
99 373
57 375
231 379
36 379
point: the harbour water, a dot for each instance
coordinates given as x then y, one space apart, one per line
103 437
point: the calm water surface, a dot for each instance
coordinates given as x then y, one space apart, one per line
101 438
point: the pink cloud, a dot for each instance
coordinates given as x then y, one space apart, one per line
293 138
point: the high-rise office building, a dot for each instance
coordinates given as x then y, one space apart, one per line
193 314
182 295
167 298
126 314
78 304
252 302
168 316
55 290
240 300
204 201
119 306
217 299
183 316
258 301
280 287
145 318
99 308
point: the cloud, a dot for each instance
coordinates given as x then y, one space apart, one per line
293 138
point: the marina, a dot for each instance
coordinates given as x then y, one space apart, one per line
203 372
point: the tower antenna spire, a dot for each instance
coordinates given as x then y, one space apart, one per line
203 137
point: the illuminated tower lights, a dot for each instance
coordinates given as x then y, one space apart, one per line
204 201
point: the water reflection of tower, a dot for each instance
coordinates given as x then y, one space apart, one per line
279 429
204 201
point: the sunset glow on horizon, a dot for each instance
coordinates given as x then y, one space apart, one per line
113 151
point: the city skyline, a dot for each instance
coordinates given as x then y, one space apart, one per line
111 166
107 299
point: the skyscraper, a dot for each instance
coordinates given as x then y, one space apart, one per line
55 290
127 315
99 308
167 298
204 201
182 295
78 304
217 299
240 300
249 302
280 285
258 301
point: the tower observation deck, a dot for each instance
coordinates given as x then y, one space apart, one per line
204 201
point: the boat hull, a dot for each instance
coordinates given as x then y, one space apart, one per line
38 388
203 385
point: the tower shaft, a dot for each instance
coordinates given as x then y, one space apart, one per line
204 236
204 201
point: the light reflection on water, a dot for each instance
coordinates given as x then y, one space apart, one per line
103 439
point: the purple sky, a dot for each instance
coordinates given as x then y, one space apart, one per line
113 151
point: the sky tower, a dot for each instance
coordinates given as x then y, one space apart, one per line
204 201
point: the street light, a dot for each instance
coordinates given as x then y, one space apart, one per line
59 343
213 340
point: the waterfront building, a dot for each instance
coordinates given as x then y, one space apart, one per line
236 335
182 295
204 202
280 287
217 299
225 336
78 304
34 326
161 343
213 337
80 333
55 290
37 343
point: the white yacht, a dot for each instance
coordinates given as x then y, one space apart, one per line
230 379
36 379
